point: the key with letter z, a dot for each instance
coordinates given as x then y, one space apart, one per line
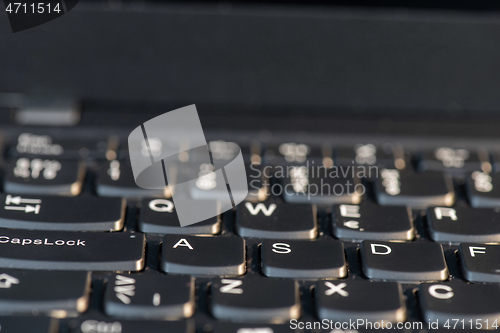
255 300
58 250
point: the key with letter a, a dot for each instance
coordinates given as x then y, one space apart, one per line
405 262
150 296
480 262
459 224
276 220
460 302
193 255
255 300
302 259
352 300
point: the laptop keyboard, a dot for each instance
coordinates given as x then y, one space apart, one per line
410 240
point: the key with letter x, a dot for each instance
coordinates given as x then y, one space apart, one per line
353 300
255 300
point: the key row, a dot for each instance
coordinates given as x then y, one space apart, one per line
386 155
255 220
226 256
296 184
244 300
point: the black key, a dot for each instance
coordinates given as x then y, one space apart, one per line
203 255
353 300
459 224
319 185
60 250
407 262
453 302
159 216
255 300
221 327
57 294
150 296
101 324
369 154
302 259
44 176
117 180
483 189
432 188
292 153
276 220
370 221
454 160
84 213
480 262
45 146
28 324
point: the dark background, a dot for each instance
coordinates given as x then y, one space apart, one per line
423 58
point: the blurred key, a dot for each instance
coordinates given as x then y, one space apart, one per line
371 221
223 256
45 146
28 324
483 189
404 262
320 185
151 296
479 262
353 300
303 259
255 300
457 302
101 324
64 250
459 224
84 213
292 153
454 160
432 188
369 154
276 220
44 176
222 327
57 294
116 179
159 216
